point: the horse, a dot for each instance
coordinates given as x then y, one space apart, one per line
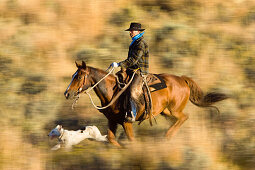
169 101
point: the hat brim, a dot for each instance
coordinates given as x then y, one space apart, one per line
133 29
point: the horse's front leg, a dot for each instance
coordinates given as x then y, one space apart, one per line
111 133
129 130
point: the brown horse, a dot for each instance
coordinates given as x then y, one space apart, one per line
169 101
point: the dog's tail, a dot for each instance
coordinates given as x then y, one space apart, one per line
102 138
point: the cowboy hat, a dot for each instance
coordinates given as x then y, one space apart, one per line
135 27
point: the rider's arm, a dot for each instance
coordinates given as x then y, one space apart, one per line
134 57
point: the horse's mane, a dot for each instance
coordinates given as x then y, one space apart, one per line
101 73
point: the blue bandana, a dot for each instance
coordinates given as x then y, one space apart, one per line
137 37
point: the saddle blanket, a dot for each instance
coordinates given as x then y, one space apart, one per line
155 82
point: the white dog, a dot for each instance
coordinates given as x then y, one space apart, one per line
69 138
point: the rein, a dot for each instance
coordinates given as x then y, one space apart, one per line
114 99
91 88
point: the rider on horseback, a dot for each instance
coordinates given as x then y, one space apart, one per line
138 58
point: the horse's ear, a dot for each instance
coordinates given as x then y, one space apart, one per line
77 65
83 65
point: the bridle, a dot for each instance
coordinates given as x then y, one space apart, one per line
91 88
80 88
83 83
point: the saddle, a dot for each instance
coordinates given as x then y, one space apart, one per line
153 83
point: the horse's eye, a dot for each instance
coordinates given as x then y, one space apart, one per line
79 78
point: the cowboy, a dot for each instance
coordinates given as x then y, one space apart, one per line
138 58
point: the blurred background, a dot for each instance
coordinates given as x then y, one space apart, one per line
211 41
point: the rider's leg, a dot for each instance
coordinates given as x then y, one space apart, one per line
132 116
135 93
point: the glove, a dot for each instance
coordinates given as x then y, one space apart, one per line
114 64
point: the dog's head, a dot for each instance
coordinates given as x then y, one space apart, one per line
55 133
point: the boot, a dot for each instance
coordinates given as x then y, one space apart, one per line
130 117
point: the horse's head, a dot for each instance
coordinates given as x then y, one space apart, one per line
79 81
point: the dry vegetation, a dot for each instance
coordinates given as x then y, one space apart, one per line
211 41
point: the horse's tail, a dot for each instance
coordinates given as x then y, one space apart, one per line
198 98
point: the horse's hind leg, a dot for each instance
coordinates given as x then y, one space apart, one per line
111 133
181 118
